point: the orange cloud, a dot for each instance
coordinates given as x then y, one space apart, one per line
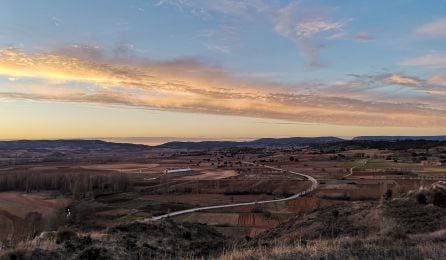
193 87
403 80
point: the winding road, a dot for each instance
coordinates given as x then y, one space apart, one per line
314 185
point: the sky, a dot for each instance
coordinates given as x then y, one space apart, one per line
221 69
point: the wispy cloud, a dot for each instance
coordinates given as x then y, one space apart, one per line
223 39
309 31
187 85
415 89
310 27
434 60
434 28
438 79
207 9
363 37
55 20
302 31
218 48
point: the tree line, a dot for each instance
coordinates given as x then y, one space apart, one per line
78 184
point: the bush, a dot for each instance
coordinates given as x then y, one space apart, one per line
65 235
421 198
95 253
257 209
335 213
388 194
439 199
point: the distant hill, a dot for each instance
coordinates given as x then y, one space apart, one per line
68 144
395 138
201 145
256 143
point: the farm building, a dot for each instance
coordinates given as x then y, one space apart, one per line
182 170
431 162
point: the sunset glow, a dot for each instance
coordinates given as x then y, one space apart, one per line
221 69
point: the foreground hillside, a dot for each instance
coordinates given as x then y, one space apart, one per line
399 228
408 227
163 240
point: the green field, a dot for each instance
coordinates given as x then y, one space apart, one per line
357 164
382 164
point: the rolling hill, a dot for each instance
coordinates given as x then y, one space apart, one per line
255 143
396 138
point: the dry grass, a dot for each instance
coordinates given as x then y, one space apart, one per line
45 244
343 248
439 235
30 244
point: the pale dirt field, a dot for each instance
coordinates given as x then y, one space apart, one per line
20 204
338 186
212 175
14 206
369 152
122 166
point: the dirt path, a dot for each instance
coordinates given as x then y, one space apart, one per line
353 168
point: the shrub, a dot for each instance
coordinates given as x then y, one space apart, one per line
439 199
388 194
267 214
335 213
257 209
95 253
421 198
65 235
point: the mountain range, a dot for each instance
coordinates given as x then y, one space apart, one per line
399 138
201 145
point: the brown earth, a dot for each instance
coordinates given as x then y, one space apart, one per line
17 209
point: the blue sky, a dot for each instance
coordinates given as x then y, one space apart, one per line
353 66
165 30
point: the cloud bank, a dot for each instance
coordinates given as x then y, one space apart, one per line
191 86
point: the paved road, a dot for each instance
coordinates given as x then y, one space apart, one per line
314 185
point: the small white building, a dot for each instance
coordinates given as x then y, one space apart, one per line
431 162
182 170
